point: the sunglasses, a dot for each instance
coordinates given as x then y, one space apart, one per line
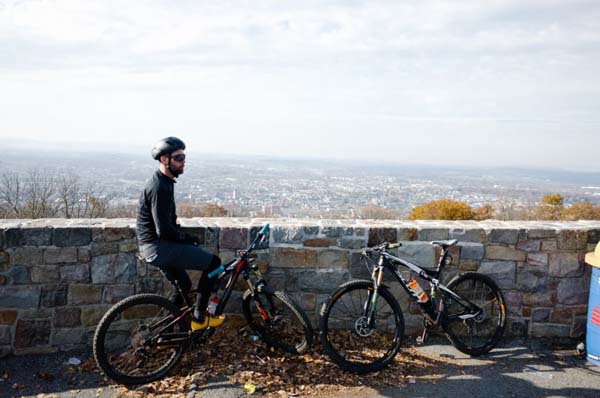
179 158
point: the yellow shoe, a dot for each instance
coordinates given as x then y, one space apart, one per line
209 321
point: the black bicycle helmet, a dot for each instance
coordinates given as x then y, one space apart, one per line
166 146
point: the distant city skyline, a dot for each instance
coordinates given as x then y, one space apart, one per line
496 83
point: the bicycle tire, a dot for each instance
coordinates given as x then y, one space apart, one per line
286 326
475 336
118 341
340 325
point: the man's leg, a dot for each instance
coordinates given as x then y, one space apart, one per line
205 287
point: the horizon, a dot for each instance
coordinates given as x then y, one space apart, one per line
504 83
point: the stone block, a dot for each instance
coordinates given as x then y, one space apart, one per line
2 239
233 238
67 338
84 294
5 335
54 296
25 256
337 232
419 253
579 327
572 291
72 236
549 330
537 259
407 234
468 265
332 259
565 264
32 333
593 236
360 232
103 249
320 281
113 234
19 296
530 245
547 299
475 235
150 285
287 234
115 293
90 316
496 252
18 275
572 239
541 233
57 255
28 237
75 273
119 268
8 317
532 281
549 245
471 251
283 257
430 234
358 269
562 315
505 236
347 242
2 280
67 317
4 261
35 314
44 274
83 255
380 235
312 230
319 242
503 272
540 315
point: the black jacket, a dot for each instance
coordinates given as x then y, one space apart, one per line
156 217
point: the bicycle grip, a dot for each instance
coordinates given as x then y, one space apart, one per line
215 272
264 229
394 245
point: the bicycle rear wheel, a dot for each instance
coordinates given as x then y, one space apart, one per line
278 320
470 332
127 343
346 335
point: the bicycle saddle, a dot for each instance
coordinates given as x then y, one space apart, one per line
444 244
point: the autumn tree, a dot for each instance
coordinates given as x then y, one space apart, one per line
445 209
377 213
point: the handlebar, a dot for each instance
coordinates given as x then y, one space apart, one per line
382 248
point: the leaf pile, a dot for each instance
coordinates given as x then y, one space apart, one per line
230 354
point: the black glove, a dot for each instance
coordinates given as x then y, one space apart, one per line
190 240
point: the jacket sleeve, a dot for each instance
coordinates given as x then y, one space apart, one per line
165 228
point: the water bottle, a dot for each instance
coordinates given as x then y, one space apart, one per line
212 305
418 290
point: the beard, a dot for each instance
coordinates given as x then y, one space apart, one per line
176 171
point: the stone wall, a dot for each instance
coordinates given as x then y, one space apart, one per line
58 277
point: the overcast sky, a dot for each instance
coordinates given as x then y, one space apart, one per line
512 82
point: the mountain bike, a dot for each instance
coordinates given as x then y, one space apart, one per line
143 336
362 325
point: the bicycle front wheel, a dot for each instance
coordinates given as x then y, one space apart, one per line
136 340
474 332
278 320
348 338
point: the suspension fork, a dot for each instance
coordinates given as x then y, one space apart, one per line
371 303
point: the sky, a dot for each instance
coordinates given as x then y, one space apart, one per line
488 83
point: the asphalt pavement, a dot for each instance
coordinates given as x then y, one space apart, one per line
528 369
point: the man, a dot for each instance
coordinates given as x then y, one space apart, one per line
161 241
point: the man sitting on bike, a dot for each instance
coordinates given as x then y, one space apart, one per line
161 241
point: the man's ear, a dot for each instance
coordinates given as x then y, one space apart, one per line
164 160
